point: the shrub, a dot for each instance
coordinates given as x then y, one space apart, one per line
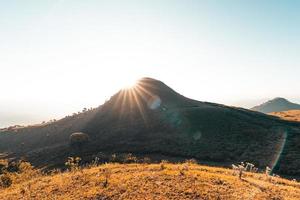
73 163
146 160
239 168
95 162
164 161
3 166
162 166
24 167
268 172
107 173
129 158
13 166
249 166
5 180
78 139
113 157
16 171
191 161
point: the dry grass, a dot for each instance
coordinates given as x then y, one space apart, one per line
152 181
291 115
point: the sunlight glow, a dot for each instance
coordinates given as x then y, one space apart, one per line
136 97
129 83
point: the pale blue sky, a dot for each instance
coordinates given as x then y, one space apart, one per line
57 57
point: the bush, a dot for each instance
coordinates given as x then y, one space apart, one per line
73 163
146 160
239 169
16 171
162 166
3 166
5 180
113 157
129 158
24 167
78 139
191 162
16 167
107 173
13 167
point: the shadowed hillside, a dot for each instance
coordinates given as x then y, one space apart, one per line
276 105
152 119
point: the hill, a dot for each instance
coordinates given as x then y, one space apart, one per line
152 181
153 120
276 105
291 115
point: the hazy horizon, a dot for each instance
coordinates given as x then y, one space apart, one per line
22 115
57 57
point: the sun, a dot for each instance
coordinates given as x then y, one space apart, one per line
129 83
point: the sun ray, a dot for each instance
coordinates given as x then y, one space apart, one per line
143 90
136 97
123 103
140 108
119 96
131 104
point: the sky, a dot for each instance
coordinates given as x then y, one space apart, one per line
57 57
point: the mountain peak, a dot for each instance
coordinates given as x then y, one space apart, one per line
280 99
151 83
277 104
154 86
146 91
148 79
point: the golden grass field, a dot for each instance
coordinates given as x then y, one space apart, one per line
291 115
150 181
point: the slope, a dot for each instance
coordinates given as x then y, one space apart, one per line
152 181
152 119
291 115
276 105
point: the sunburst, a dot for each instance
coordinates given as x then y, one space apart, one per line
137 95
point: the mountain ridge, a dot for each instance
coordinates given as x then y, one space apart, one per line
277 104
153 119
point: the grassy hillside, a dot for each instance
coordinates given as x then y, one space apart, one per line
151 181
291 115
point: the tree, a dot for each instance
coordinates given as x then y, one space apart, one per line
78 140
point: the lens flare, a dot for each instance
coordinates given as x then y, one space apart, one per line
154 102
279 149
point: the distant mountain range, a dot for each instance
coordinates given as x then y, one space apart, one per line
153 120
276 105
